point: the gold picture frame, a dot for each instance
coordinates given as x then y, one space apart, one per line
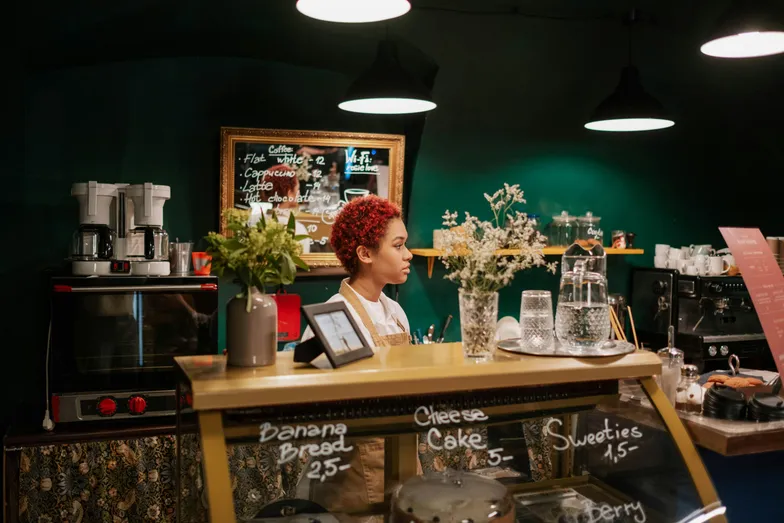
236 169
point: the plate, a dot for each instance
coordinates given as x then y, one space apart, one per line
610 348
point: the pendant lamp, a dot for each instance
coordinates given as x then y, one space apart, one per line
353 11
629 108
387 88
747 29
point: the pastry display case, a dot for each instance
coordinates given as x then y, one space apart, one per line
419 434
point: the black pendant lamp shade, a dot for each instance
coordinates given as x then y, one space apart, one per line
747 29
387 88
629 108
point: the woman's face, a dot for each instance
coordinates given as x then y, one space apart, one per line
391 262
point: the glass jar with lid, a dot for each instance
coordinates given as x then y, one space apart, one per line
588 228
688 394
562 230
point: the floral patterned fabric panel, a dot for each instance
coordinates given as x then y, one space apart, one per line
111 481
539 450
127 481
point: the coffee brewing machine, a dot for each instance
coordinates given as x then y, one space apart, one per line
713 317
121 230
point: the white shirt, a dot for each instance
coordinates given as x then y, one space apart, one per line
382 313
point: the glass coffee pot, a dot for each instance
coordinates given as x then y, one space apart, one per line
582 317
92 242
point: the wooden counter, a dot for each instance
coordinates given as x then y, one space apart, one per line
734 438
728 438
399 371
393 371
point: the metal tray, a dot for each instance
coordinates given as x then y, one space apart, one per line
611 348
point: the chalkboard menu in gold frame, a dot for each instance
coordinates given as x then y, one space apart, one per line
311 174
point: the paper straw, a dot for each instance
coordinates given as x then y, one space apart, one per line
617 325
634 331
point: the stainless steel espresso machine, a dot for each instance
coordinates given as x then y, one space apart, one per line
713 316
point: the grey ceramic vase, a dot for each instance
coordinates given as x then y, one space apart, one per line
252 337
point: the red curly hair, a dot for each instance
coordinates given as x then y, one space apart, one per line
362 221
283 180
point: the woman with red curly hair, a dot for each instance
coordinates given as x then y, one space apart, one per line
369 239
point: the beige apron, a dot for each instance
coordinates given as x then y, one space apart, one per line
402 338
363 483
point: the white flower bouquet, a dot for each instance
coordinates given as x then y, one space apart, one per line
482 257
471 249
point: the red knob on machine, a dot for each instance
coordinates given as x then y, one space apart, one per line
107 407
137 405
186 401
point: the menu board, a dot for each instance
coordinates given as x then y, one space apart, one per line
308 174
765 282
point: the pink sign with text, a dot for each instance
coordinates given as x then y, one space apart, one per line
765 282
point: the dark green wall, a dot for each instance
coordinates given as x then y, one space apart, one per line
512 96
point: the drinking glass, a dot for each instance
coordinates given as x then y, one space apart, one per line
536 320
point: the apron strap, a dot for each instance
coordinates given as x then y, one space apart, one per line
351 297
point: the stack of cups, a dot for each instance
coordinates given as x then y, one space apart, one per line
693 260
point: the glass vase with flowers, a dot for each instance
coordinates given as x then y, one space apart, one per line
483 257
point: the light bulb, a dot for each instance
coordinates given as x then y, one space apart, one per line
353 11
746 45
629 124
387 105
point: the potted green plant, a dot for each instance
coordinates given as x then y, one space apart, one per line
258 254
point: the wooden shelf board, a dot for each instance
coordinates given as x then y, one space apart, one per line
432 254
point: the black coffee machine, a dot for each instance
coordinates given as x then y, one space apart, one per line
713 317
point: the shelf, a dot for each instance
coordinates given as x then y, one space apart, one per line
432 254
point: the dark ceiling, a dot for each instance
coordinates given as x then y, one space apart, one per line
66 34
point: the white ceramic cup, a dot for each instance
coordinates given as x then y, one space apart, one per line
729 259
686 252
683 264
692 270
702 261
677 254
662 250
702 249
660 262
718 266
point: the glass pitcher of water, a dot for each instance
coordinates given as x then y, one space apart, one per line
582 317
